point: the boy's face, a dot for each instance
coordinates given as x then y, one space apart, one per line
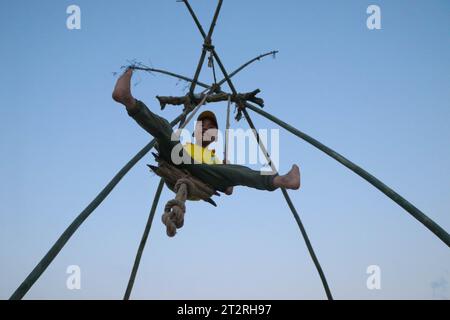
206 131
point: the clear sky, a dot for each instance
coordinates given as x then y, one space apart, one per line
379 97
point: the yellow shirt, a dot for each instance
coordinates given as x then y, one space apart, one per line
202 155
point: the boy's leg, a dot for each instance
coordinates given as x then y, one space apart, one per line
223 176
157 126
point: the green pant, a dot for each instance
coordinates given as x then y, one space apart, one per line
219 176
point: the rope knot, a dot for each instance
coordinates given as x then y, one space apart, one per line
175 209
173 216
189 185
216 88
208 46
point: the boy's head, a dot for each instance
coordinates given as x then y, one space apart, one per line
206 129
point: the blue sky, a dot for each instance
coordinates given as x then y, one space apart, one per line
381 98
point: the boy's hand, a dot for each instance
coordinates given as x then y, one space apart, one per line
229 191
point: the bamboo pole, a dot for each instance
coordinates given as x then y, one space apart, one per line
143 242
397 198
40 268
291 206
199 83
207 43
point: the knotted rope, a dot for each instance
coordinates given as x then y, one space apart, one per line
186 187
175 209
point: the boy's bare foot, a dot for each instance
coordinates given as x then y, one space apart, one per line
291 180
122 90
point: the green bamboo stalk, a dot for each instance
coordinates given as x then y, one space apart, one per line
293 210
207 42
140 251
64 238
199 83
402 202
308 244
168 73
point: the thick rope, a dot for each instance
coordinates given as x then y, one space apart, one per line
143 242
174 211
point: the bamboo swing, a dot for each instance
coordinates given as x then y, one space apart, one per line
181 183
